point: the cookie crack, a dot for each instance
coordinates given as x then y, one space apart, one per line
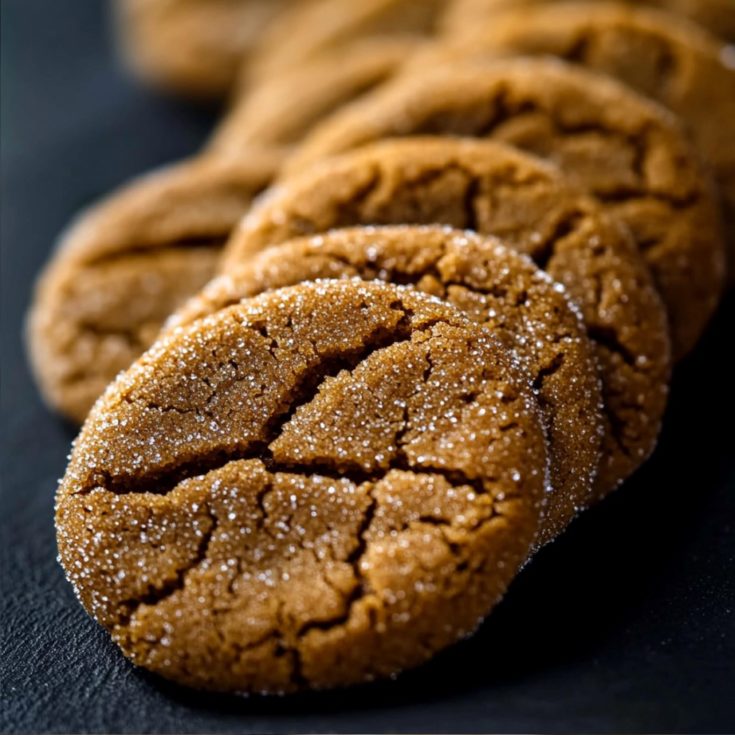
152 249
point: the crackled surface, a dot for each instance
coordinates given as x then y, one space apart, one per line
659 54
307 30
492 284
125 265
322 485
717 16
280 110
490 188
626 150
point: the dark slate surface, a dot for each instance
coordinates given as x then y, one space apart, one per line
626 624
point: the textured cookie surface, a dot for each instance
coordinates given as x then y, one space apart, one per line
493 189
280 110
493 285
323 485
659 54
309 29
125 265
718 16
626 150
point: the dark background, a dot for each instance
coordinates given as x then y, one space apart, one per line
626 624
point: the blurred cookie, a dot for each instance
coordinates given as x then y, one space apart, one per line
279 111
309 29
629 152
318 487
191 47
125 265
717 16
492 284
494 189
659 54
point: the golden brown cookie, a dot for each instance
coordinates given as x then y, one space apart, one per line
659 54
321 486
718 16
498 287
308 29
280 110
125 265
192 47
494 189
626 150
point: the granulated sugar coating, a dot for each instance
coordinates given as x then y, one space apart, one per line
492 188
497 287
125 264
626 150
320 486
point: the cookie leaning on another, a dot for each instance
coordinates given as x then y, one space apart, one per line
494 189
659 54
626 150
126 264
323 485
492 284
717 16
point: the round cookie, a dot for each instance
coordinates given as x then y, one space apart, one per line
191 47
321 486
629 152
125 265
280 110
494 189
308 29
717 16
659 54
495 286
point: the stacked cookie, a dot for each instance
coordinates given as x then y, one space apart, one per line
480 236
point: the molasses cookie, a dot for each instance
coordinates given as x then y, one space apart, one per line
125 265
659 54
717 16
494 189
309 29
192 47
500 288
317 487
279 111
629 152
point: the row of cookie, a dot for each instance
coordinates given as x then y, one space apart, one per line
204 49
161 237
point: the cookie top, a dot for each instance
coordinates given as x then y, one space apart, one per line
717 16
492 284
659 54
309 29
626 150
320 486
494 189
280 110
191 47
125 265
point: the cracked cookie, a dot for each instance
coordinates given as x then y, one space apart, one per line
308 29
659 54
629 152
191 47
280 110
495 286
494 189
320 486
717 16
125 265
